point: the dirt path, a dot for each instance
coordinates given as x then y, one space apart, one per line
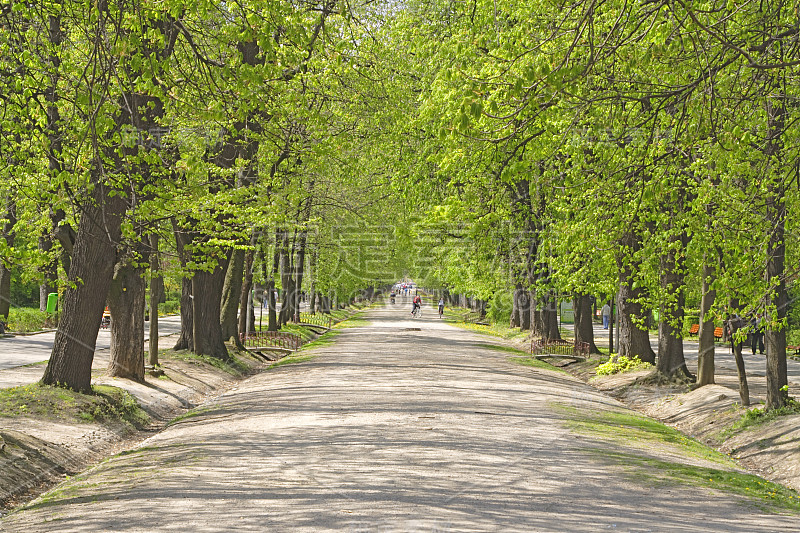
391 429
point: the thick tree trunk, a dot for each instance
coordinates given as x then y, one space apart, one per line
126 302
207 292
156 293
94 255
525 303
231 294
633 341
705 357
584 330
671 361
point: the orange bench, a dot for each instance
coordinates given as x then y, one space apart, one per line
718 333
695 329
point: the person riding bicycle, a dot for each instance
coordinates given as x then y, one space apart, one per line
417 304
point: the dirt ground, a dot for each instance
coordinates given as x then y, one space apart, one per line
402 425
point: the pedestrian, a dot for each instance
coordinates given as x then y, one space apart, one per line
757 335
441 307
606 312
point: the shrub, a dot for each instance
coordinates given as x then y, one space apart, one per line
27 319
622 364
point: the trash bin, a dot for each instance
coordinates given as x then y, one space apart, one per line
52 302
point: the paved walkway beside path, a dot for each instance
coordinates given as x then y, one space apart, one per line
400 425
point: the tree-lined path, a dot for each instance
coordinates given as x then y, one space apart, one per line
400 425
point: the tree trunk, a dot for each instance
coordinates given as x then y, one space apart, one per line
516 315
584 330
245 302
778 299
186 337
231 295
156 293
207 292
671 361
299 273
705 357
525 301
126 302
10 216
732 325
94 255
633 341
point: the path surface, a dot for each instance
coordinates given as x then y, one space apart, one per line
391 429
27 349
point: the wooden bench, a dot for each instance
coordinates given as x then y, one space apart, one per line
718 333
695 329
795 348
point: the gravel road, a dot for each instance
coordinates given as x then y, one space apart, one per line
400 425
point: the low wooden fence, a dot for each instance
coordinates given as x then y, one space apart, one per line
559 348
266 340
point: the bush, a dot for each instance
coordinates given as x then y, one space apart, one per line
27 319
622 364
499 309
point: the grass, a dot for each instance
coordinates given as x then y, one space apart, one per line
28 319
536 363
190 414
104 404
233 365
630 427
354 321
758 416
495 330
291 359
768 496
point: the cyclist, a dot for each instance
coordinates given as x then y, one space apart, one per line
416 305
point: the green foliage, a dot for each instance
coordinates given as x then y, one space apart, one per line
622 364
26 320
105 405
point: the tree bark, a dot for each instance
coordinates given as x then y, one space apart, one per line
156 293
5 263
777 298
186 337
705 357
126 302
90 276
207 292
245 308
584 329
633 341
231 294
671 361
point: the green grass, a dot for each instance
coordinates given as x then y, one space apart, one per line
495 330
233 365
354 321
105 404
326 339
630 427
758 416
291 359
768 496
190 414
536 363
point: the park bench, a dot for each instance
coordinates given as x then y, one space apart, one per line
560 348
718 333
795 348
694 330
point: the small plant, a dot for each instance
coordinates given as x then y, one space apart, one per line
621 365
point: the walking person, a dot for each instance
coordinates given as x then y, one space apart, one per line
441 307
606 312
757 335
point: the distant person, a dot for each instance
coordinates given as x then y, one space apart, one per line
441 307
606 312
757 335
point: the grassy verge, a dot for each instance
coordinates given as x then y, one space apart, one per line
233 365
105 404
646 434
495 330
